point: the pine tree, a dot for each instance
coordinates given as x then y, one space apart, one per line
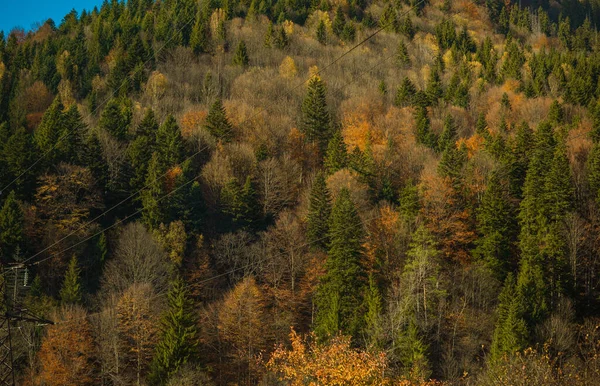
240 58
70 293
200 38
217 123
319 211
11 227
337 153
510 334
321 33
18 155
593 168
50 131
434 89
496 225
178 340
402 57
340 295
169 143
556 113
116 118
559 193
153 210
481 126
316 122
374 327
339 22
406 93
93 158
407 28
424 134
141 148
449 134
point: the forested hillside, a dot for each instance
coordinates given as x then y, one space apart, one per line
236 192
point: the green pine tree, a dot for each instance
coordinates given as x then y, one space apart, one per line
339 297
406 93
510 333
70 292
496 225
321 33
402 57
178 341
434 89
316 121
319 211
11 227
169 143
217 123
240 58
339 22
374 327
200 38
449 134
336 157
49 135
116 118
153 210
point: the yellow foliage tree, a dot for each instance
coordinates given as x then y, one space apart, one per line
288 69
335 363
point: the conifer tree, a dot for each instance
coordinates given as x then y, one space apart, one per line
93 158
177 345
316 121
434 89
423 131
169 143
339 22
200 38
481 126
11 227
402 58
153 211
50 131
337 153
18 155
217 123
321 33
449 134
141 148
240 58
510 334
116 118
406 93
374 327
407 28
593 168
340 295
70 293
319 211
495 224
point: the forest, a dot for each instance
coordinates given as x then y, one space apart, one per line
302 192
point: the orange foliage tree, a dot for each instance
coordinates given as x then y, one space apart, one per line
334 363
66 353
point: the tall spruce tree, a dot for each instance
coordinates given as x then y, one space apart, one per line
240 58
496 225
217 123
336 157
319 211
153 211
116 118
339 298
316 121
169 143
510 333
11 228
178 341
70 292
141 148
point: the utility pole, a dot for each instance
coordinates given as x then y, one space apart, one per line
12 290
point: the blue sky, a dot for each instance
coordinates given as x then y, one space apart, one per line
24 13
